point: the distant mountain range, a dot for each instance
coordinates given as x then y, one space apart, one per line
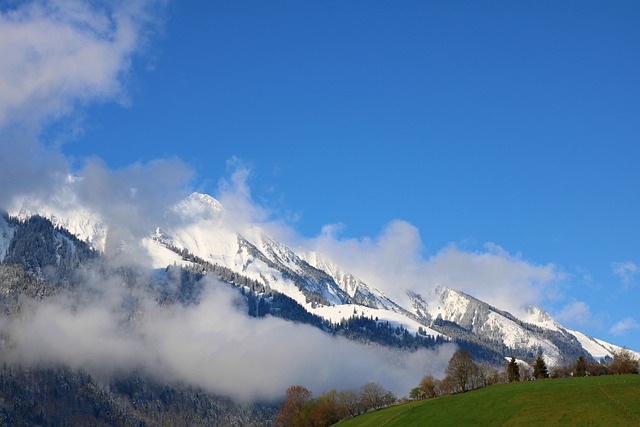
281 281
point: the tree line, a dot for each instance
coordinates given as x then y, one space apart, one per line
464 374
301 409
623 362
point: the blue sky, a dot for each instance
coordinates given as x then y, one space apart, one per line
510 123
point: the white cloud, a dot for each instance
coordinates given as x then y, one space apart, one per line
213 344
627 271
57 54
393 263
135 195
625 325
493 275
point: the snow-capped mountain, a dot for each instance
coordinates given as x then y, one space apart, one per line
65 211
199 230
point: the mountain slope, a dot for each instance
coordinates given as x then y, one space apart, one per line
50 253
198 230
499 329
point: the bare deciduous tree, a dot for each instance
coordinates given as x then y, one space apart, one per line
428 386
624 362
487 374
374 396
462 371
350 400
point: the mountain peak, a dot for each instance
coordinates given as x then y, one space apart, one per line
537 316
198 206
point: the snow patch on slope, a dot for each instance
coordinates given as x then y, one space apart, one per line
538 317
514 336
597 348
451 305
350 284
161 257
196 225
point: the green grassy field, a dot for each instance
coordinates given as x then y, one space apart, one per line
595 401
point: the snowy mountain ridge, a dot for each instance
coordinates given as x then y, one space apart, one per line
196 225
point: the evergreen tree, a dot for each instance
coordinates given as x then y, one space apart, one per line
540 370
580 368
513 371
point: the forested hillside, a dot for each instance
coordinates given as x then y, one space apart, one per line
57 396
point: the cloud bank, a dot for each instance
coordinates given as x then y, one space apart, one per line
213 344
393 263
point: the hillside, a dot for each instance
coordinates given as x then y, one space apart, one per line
609 400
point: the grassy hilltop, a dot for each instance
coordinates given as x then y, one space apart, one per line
594 401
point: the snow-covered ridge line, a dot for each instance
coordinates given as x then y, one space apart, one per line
597 348
197 225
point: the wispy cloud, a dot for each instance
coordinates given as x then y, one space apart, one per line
626 271
624 326
130 198
575 313
234 192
